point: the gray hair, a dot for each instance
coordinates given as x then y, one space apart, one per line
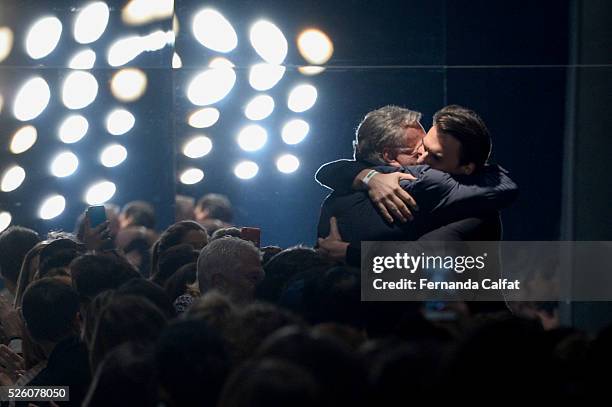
221 255
383 128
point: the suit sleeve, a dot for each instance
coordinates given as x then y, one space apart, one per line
339 175
440 194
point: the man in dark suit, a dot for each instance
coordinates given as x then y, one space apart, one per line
457 193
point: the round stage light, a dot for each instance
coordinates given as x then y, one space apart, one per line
100 192
315 46
12 179
23 139
79 90
73 128
176 61
129 84
252 137
259 107
5 220
211 86
302 98
83 60
52 207
214 31
192 176
124 50
265 76
269 42
31 99
119 122
139 12
6 42
220 62
203 118
246 170
64 164
310 70
91 22
113 155
43 36
197 147
294 131
287 163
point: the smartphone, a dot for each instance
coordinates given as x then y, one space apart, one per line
252 235
97 215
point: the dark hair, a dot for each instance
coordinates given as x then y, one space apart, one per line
192 362
57 262
94 273
223 232
126 377
218 207
469 130
270 383
92 314
142 214
339 371
49 309
283 266
172 236
183 207
125 319
173 259
177 284
254 323
15 242
140 287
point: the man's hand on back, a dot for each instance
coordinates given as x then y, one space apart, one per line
390 199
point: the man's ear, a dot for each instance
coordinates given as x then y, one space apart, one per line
468 169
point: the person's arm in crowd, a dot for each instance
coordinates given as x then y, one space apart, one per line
344 176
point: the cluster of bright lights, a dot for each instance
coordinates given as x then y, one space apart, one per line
215 32
79 90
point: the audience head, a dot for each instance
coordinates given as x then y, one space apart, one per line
183 208
390 135
232 266
94 273
223 232
126 377
178 284
50 310
458 142
139 287
214 206
184 232
137 213
136 242
15 243
125 319
270 383
283 266
192 362
173 259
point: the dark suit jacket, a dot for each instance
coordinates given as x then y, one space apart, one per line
450 207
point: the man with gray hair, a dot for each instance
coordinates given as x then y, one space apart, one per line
457 193
231 266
